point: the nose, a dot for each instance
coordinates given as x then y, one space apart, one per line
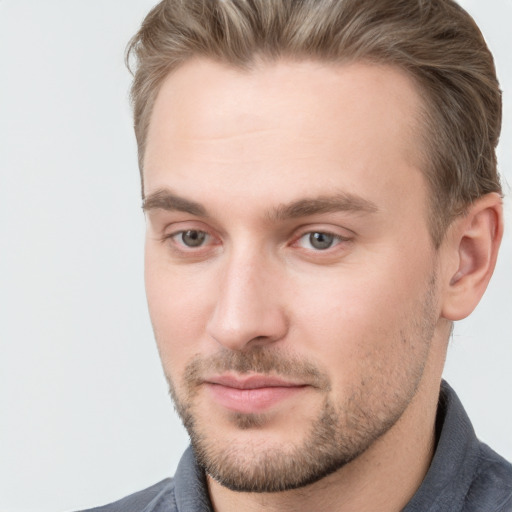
248 310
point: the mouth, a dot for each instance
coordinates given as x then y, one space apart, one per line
251 394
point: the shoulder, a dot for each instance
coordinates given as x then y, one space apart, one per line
188 490
491 488
157 498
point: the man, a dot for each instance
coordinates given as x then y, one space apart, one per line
322 202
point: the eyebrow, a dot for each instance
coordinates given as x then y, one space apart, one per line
166 200
341 202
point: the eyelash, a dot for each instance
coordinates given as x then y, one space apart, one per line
333 240
181 246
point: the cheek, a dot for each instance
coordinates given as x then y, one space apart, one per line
355 320
342 323
177 304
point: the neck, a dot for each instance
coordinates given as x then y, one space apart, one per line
384 478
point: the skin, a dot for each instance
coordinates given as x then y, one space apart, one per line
366 320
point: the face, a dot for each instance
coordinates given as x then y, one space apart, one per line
290 273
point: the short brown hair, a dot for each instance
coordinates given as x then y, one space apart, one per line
435 41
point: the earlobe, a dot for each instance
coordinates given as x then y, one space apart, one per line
474 242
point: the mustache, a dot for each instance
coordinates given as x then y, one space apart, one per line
259 360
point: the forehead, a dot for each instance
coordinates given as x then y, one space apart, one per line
283 122
200 94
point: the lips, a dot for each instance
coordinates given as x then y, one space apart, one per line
251 394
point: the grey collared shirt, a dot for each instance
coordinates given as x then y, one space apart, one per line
465 475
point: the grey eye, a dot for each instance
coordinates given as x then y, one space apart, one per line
321 241
193 238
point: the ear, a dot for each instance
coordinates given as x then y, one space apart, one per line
472 245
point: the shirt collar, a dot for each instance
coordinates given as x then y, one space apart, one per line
455 460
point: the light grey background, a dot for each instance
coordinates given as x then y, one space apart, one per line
84 412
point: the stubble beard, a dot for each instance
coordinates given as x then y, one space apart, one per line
339 434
